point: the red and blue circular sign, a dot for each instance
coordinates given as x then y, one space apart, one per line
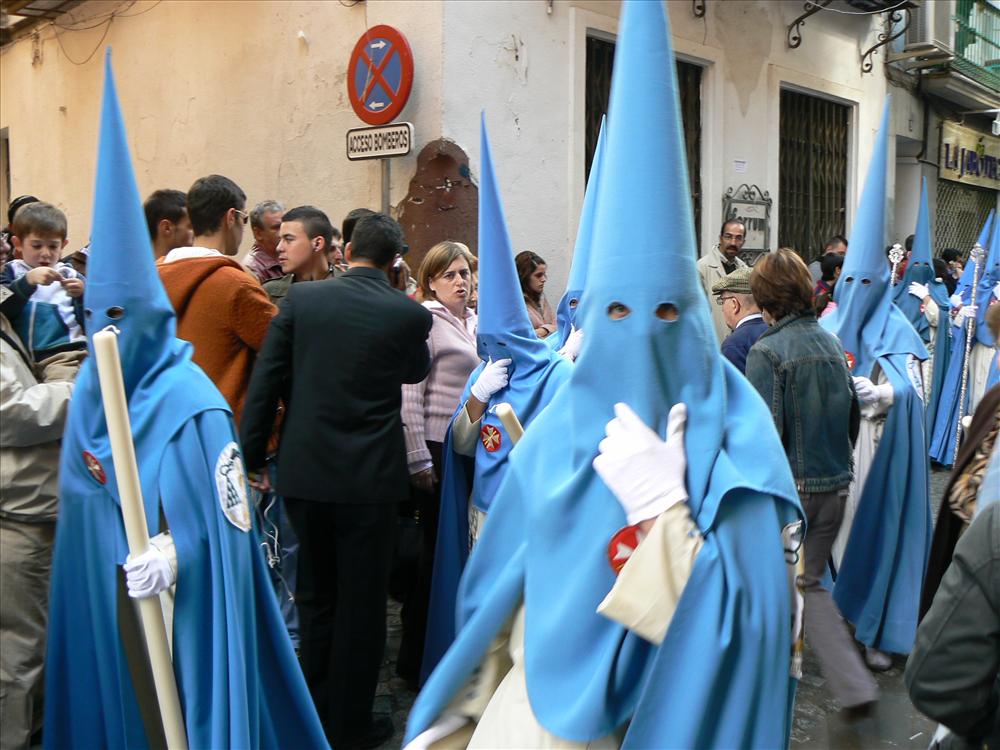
380 75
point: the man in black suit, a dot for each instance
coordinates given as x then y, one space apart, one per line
342 463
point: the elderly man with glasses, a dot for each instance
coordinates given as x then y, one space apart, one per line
719 262
742 316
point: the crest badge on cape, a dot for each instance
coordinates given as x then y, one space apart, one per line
231 482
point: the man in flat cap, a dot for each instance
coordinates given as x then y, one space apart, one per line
741 313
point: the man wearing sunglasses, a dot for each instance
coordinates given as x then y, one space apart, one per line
718 263
221 309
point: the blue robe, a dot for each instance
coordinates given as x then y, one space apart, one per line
239 682
878 583
587 675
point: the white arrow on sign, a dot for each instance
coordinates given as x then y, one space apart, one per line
380 44
376 105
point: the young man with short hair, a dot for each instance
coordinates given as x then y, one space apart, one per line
303 250
168 221
221 309
342 463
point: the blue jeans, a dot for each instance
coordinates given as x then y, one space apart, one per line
281 553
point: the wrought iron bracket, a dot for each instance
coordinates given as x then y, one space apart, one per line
811 7
887 36
698 8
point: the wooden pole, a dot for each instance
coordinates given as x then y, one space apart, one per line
109 373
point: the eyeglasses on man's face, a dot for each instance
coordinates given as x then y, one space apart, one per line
733 237
720 300
243 215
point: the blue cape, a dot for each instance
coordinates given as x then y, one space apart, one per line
721 676
879 580
239 683
946 399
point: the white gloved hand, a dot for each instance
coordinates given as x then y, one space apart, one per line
918 290
996 290
645 473
571 349
865 388
969 311
151 572
955 300
490 380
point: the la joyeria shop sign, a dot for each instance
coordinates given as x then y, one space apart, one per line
969 156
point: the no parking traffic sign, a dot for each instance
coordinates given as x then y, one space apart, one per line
380 75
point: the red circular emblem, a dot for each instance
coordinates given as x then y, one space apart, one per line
94 467
622 545
850 360
490 436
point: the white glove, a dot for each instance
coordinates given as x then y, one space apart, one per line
955 300
441 729
918 290
969 311
152 571
490 380
865 389
571 349
996 290
645 473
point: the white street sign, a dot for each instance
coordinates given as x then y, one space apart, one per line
380 142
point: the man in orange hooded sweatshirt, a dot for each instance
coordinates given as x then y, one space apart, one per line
221 309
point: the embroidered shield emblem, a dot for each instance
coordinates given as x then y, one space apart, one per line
851 360
490 436
94 467
231 485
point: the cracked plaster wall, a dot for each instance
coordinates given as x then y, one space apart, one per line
225 87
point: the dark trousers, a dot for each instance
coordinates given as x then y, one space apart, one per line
850 681
345 553
414 614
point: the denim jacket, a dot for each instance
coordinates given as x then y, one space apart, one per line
801 372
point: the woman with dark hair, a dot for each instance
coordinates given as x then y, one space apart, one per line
532 272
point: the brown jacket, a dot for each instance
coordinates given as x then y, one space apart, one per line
224 312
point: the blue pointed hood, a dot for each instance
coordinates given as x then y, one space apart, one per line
569 304
964 286
866 322
503 329
505 332
920 269
164 388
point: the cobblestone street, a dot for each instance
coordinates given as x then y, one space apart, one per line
818 723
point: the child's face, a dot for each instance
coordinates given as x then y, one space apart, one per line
40 250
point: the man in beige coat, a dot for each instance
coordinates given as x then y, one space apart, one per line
32 415
718 263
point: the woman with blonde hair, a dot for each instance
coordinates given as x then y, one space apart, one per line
444 282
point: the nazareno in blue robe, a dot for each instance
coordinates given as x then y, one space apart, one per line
239 683
878 583
535 374
721 676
